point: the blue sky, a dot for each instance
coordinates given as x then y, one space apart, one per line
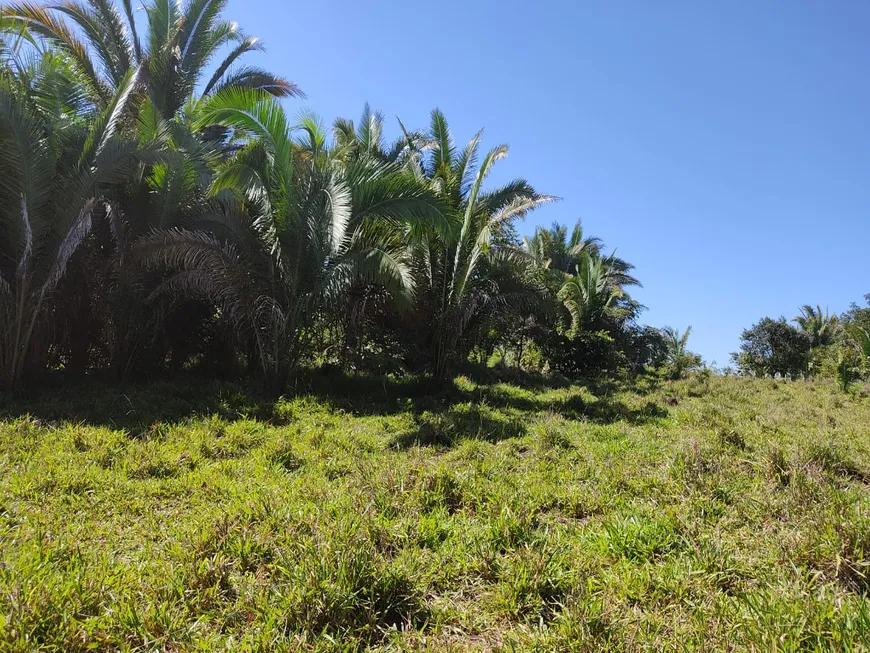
723 147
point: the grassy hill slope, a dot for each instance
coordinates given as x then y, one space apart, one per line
710 513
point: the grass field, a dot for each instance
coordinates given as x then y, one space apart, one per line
712 513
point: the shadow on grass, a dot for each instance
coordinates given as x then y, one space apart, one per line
528 380
458 423
388 395
603 409
607 410
136 407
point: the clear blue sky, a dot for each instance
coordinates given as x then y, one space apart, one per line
723 147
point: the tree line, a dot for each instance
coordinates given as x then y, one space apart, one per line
156 218
814 343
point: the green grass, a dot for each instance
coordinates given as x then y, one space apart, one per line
703 514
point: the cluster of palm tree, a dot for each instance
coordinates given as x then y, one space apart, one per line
153 215
591 286
103 141
592 322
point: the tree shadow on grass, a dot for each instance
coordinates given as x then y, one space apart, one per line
602 409
455 424
528 380
136 407
370 395
608 410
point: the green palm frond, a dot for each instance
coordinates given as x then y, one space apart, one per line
589 293
117 36
369 134
466 167
164 17
443 145
254 114
245 45
196 38
131 25
259 80
40 21
821 326
109 45
385 192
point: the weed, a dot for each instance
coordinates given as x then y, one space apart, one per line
778 466
641 538
732 438
832 460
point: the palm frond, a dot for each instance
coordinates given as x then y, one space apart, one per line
370 130
116 36
259 80
40 21
199 265
134 34
255 114
197 22
74 237
106 125
443 145
385 192
245 45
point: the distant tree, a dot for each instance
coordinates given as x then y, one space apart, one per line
855 342
773 347
856 320
678 358
554 249
587 354
821 327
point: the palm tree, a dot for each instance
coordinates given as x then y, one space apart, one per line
366 140
166 192
559 257
103 44
99 44
590 286
295 231
366 302
552 249
54 171
679 358
452 266
821 326
590 293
